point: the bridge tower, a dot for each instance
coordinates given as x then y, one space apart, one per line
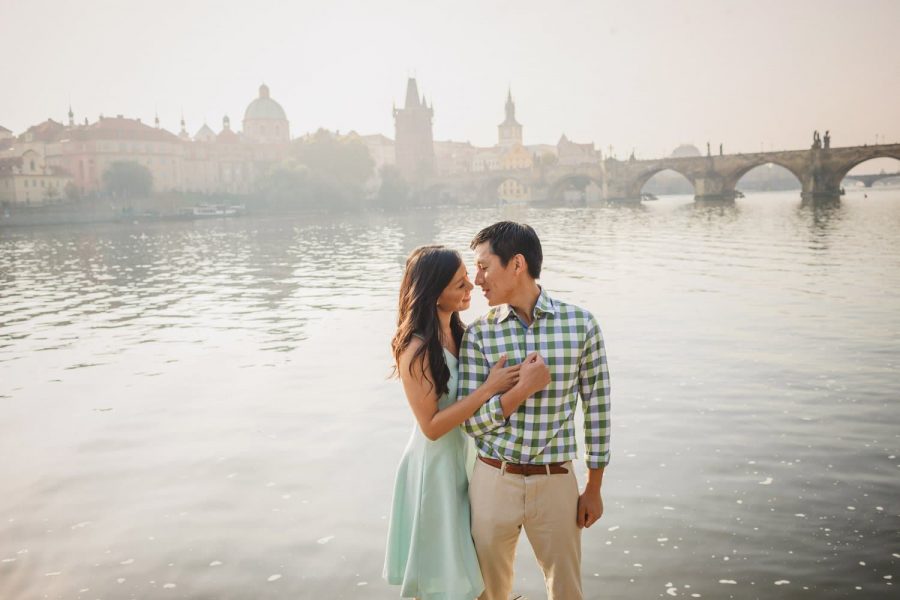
510 130
414 142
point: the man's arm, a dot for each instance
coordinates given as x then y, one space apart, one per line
593 379
473 371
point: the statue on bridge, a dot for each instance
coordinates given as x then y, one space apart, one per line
827 139
817 141
721 153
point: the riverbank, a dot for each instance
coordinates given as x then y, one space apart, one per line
155 208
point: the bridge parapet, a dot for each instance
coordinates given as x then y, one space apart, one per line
819 171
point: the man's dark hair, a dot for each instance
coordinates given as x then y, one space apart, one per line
508 239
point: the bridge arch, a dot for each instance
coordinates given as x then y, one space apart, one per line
492 188
635 188
737 175
577 181
845 172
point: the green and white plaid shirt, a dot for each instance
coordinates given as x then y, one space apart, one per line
542 430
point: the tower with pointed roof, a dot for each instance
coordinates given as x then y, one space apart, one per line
510 130
414 141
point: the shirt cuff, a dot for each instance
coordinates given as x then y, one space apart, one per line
597 461
495 410
488 418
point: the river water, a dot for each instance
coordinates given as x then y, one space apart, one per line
202 409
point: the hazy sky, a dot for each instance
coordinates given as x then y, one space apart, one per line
646 74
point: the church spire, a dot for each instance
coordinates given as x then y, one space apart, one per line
71 116
510 107
510 130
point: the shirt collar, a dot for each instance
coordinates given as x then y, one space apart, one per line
544 306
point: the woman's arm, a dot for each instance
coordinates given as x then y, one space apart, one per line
423 400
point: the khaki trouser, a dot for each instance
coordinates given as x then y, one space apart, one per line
546 506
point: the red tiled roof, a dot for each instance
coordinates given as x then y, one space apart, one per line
120 128
48 131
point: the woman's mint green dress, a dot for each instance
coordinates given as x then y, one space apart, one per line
430 552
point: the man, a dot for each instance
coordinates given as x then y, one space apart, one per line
526 437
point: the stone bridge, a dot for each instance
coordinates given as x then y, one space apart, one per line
820 172
869 180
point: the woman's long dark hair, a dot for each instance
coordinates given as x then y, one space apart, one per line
429 269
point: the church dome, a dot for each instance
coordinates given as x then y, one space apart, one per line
264 107
686 151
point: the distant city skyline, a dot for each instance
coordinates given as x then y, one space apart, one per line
644 76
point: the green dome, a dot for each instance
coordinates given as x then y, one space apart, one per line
264 107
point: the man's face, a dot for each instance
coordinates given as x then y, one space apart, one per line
496 281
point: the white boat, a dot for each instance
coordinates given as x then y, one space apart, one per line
215 210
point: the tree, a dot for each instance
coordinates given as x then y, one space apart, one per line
72 192
286 183
52 194
338 167
127 179
322 171
394 191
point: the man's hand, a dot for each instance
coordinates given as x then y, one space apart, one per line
534 375
590 507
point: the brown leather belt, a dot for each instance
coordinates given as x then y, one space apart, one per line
526 470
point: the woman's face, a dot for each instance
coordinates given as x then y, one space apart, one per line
457 296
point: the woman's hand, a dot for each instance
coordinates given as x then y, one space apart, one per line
502 378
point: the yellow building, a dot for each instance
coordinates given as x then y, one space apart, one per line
517 157
28 180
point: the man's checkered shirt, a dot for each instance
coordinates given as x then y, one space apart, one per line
542 430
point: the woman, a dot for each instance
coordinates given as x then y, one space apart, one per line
430 552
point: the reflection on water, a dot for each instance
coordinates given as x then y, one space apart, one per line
202 409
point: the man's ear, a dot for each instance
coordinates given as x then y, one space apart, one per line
520 263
